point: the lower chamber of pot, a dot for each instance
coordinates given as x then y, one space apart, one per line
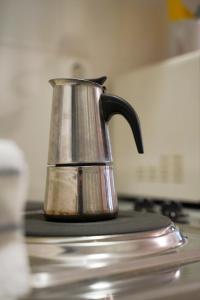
80 193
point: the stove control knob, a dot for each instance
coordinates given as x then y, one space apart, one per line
174 210
144 205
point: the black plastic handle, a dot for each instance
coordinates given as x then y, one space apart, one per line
112 105
99 80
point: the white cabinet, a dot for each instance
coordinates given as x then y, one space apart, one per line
166 97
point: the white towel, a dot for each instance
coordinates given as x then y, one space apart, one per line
14 273
13 183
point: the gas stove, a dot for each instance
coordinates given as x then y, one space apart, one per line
160 263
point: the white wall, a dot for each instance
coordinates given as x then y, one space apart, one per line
114 35
43 39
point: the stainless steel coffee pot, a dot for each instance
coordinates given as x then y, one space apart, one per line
80 183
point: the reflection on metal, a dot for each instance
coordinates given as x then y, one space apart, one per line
76 255
117 287
177 274
76 115
73 268
125 245
66 197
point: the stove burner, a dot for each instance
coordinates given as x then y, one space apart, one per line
65 252
133 233
127 222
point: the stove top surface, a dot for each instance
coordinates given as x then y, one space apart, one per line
126 222
151 264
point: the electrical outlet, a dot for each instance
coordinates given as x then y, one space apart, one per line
170 169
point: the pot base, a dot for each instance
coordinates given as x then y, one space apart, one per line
80 193
80 218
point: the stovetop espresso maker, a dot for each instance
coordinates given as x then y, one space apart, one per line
80 183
